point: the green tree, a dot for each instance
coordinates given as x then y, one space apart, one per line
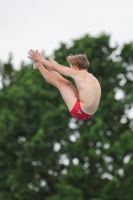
45 154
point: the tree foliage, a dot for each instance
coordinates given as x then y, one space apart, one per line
47 155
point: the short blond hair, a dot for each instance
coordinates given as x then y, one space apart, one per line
79 60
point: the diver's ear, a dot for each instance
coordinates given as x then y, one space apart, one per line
75 67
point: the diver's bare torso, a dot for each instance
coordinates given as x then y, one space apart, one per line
89 91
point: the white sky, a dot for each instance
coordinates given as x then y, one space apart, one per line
43 24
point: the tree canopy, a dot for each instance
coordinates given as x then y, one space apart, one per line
45 154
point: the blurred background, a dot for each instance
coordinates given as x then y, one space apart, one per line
44 24
45 154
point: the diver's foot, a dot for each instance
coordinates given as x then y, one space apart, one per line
35 65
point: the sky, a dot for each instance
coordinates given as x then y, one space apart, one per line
44 24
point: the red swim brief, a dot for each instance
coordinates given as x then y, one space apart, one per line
78 113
